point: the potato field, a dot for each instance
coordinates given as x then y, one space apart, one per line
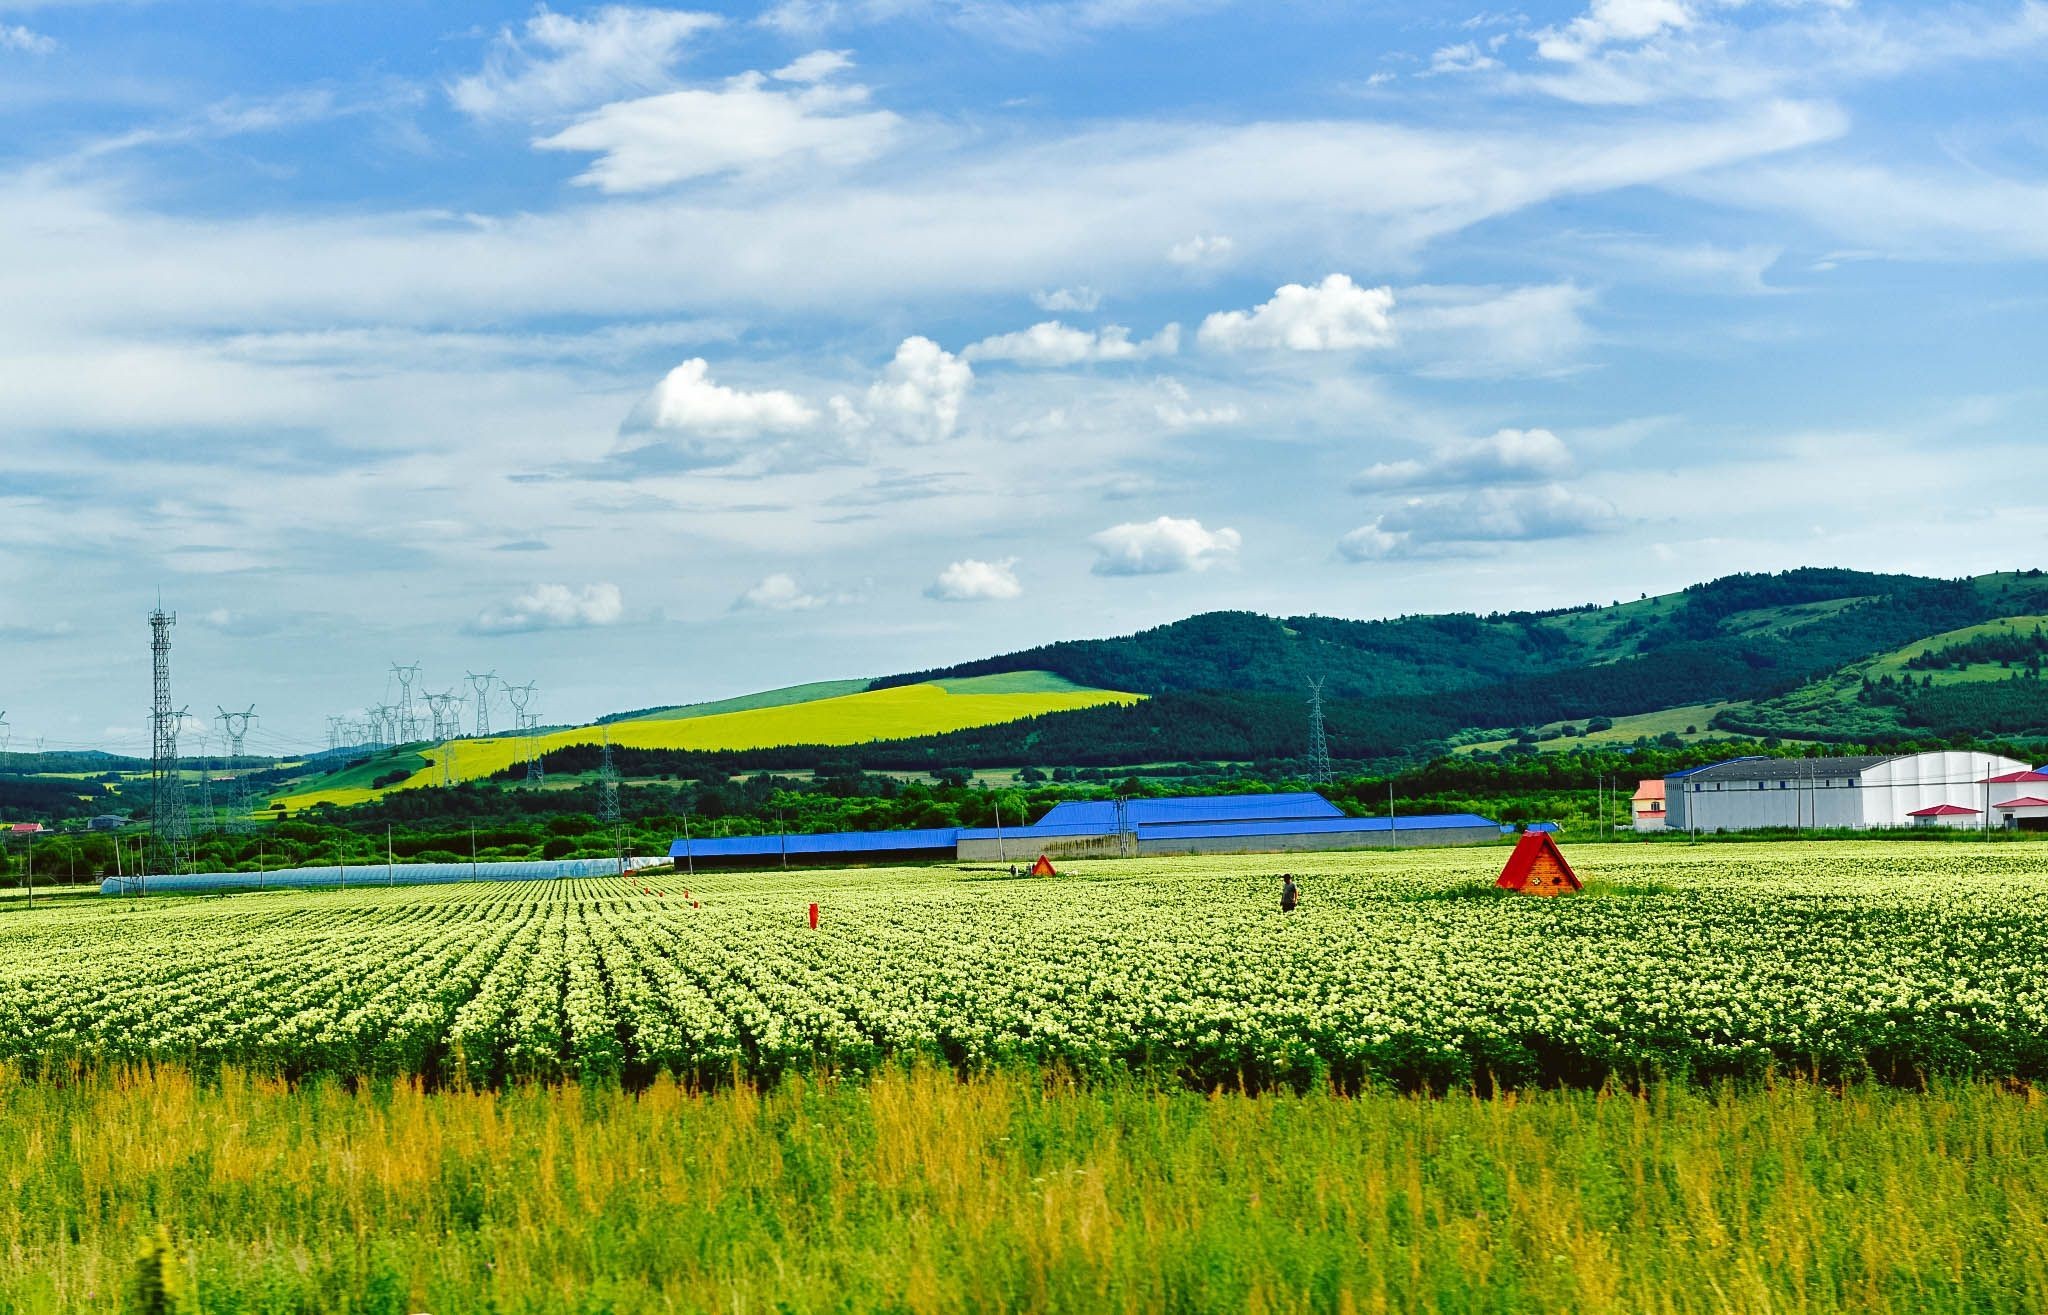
1836 960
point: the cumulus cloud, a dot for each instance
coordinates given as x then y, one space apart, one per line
554 607
743 126
1082 298
778 593
555 63
1334 315
13 36
1467 524
1053 344
1202 249
705 422
1508 456
976 581
918 397
1162 546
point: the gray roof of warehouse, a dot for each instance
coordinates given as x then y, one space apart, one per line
1787 769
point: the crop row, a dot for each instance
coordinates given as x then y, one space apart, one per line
1836 959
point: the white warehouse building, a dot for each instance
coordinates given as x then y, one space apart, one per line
1949 787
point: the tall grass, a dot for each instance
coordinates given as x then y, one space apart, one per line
916 1191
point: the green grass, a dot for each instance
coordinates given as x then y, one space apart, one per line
1626 730
918 1192
787 696
1010 682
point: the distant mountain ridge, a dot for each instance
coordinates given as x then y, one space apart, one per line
1230 685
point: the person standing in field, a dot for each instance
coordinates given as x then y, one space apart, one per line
1290 894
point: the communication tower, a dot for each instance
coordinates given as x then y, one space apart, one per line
170 829
608 786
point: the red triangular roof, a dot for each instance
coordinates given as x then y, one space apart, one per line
1043 867
1531 850
1943 810
2014 778
2024 801
1650 789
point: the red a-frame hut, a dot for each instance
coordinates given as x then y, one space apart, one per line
1537 867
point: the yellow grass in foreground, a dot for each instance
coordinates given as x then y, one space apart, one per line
919 1192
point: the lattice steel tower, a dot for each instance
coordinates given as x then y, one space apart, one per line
408 723
170 829
528 724
608 786
482 685
234 728
1318 743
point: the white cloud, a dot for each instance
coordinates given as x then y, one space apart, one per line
554 607
1176 409
1469 524
1082 298
28 41
1509 456
1609 21
918 398
688 401
1161 546
1481 332
1040 25
1465 57
1334 315
743 126
556 63
1202 249
778 593
1055 344
972 581
816 66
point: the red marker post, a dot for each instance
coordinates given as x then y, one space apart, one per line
814 917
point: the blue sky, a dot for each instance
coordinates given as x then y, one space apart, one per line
658 354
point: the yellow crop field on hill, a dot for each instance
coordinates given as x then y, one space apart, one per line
884 714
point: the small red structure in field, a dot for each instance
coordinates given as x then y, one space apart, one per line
1537 867
1043 867
814 917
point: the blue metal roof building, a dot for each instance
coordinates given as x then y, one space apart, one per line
821 847
1101 813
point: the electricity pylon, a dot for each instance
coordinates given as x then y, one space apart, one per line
482 685
1318 743
235 729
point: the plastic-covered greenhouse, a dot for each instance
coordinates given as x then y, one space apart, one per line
372 874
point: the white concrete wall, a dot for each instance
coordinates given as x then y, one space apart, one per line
1893 790
1797 795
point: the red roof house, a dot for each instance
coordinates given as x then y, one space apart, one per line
1945 815
1538 867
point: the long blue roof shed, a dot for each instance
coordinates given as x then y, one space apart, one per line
1101 813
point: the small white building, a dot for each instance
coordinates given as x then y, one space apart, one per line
1950 815
2026 813
1859 793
